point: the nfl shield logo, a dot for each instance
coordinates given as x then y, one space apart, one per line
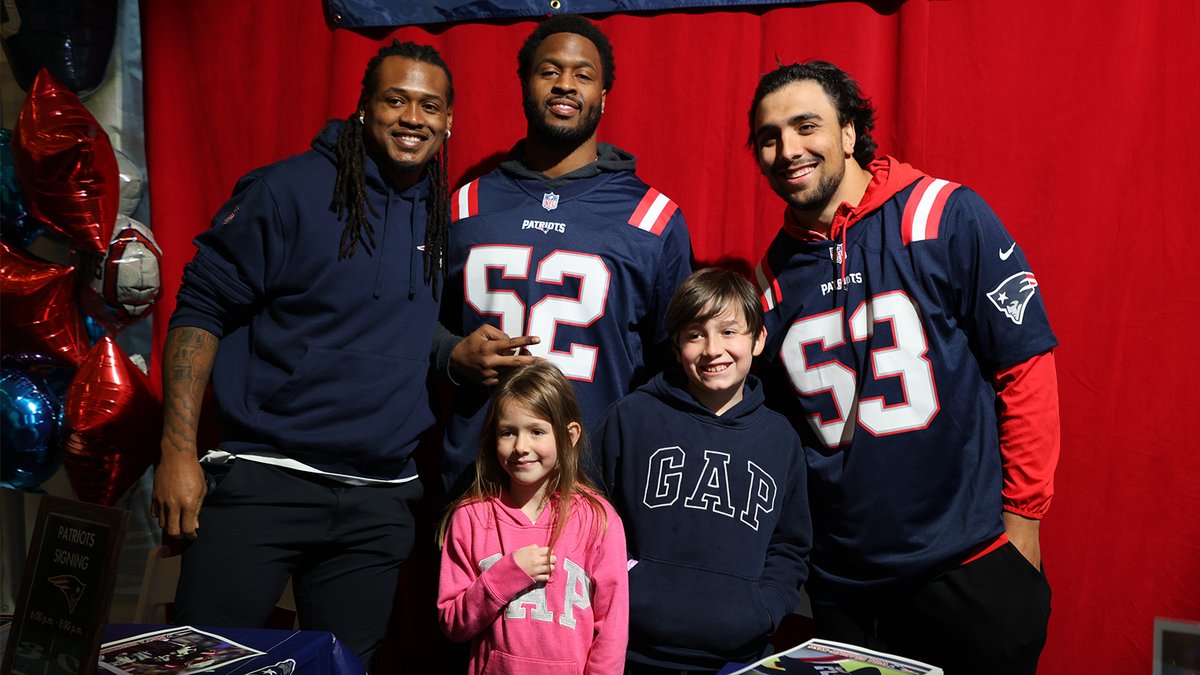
549 201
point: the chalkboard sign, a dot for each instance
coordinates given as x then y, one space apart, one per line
66 589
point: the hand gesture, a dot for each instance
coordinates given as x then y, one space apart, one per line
536 561
482 355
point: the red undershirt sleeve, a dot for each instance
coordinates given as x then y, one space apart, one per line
1029 434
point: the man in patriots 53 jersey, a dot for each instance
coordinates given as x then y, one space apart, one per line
911 348
562 243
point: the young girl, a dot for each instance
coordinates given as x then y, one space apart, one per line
533 559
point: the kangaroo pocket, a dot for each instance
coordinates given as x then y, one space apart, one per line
678 611
502 663
361 406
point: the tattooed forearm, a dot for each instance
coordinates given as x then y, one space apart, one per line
187 364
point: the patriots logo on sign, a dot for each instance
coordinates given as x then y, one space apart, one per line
71 587
549 201
1013 294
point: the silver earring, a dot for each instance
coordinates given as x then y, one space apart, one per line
447 133
362 119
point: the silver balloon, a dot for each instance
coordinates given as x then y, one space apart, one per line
131 180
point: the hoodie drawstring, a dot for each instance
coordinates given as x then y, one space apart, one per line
415 264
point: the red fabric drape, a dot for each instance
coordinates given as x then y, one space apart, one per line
1074 121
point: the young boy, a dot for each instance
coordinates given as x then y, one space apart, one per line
711 487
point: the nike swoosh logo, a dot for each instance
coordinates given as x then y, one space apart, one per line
1004 254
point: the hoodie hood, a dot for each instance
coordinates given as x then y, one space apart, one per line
672 389
888 177
608 158
325 144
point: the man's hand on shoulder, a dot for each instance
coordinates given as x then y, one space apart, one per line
484 355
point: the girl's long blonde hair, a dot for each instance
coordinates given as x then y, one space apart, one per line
541 388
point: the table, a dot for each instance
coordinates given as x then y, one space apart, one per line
287 652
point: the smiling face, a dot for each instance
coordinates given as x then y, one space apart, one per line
406 118
802 149
527 449
563 91
716 357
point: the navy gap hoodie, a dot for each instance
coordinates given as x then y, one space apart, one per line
716 516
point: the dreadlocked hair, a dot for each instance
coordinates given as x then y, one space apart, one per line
350 191
437 220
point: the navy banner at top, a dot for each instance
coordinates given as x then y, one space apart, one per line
392 13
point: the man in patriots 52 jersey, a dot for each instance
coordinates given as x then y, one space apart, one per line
911 347
562 243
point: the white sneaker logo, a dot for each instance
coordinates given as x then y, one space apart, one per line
1005 254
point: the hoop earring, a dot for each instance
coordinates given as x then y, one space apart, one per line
447 133
362 118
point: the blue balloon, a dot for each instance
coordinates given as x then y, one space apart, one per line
49 374
16 225
30 419
92 327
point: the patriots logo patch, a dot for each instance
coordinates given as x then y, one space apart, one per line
71 587
549 201
1013 295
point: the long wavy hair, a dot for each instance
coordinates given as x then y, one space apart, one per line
845 94
540 388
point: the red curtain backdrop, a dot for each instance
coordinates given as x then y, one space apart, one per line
1073 119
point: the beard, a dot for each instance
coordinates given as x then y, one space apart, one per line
560 136
818 197
405 165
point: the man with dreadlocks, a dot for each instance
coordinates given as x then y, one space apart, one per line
562 243
304 302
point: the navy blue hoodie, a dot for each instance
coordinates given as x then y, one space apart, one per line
716 516
320 359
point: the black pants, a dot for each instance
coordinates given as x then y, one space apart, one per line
986 617
342 545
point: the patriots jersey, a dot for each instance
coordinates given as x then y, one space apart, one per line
589 267
883 341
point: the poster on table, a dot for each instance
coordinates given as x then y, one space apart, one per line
826 657
181 649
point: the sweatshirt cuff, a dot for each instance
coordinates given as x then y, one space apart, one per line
444 343
506 580
778 603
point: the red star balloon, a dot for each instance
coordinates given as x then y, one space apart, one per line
40 313
66 165
112 424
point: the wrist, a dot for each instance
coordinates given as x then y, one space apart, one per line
175 455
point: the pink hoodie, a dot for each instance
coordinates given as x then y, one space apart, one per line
575 624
